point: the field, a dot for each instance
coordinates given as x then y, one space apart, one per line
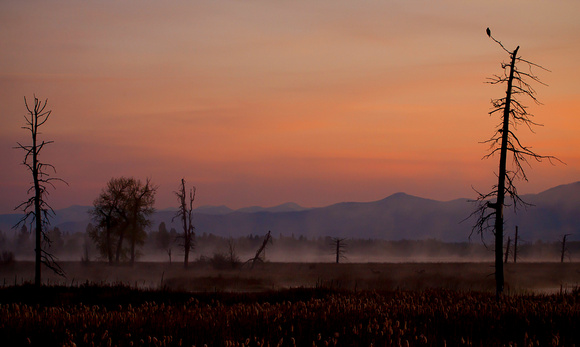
293 304
200 276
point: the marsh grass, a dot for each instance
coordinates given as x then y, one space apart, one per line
119 315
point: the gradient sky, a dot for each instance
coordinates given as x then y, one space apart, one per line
265 102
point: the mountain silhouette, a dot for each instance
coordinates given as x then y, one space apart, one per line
552 213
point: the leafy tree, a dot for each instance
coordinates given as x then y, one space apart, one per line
142 199
106 215
36 208
505 142
121 213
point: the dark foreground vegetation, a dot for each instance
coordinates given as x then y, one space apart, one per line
88 315
213 275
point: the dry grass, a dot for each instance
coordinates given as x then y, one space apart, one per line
120 316
407 304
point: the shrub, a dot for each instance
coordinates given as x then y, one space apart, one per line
219 261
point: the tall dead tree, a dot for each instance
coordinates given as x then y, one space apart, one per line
36 207
507 250
339 246
505 142
185 213
564 248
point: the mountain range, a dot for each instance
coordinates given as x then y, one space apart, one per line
553 213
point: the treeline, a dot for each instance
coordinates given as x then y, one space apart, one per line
163 245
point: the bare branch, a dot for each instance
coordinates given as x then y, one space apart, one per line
505 142
36 209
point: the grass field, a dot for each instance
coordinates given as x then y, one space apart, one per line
291 304
122 316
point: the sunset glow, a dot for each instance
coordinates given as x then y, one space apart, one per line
262 103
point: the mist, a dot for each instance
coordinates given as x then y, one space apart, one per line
78 246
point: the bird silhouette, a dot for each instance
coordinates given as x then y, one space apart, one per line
488 32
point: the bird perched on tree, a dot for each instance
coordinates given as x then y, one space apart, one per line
488 32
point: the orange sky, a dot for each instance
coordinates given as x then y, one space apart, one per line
261 103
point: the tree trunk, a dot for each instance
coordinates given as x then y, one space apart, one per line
119 246
186 220
186 245
37 207
41 211
507 250
133 233
563 248
499 276
109 242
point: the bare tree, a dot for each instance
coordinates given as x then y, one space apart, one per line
564 248
232 255
141 199
339 246
106 213
261 252
507 250
185 213
36 207
503 142
122 213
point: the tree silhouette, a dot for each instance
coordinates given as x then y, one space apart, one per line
261 252
564 250
339 246
36 208
142 199
505 142
121 213
185 213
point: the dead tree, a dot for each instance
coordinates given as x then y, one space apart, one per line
260 254
185 213
339 246
490 214
36 207
507 250
564 248
516 246
232 255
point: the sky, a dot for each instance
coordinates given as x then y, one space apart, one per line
267 102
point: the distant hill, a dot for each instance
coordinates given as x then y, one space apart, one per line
287 207
207 209
555 212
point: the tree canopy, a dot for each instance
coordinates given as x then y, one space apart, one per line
121 213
